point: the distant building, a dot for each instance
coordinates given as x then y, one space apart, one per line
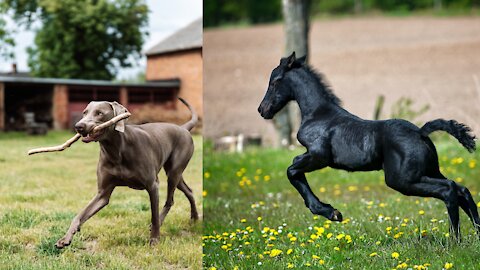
179 56
59 102
174 68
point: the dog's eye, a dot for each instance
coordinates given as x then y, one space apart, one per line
85 112
99 113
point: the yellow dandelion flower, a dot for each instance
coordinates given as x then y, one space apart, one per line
206 175
395 255
322 190
321 262
289 251
204 193
293 239
275 252
290 265
329 235
266 178
472 164
243 220
259 218
340 236
336 248
421 212
212 268
448 265
373 254
224 246
315 257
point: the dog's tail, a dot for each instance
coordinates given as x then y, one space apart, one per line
194 120
458 130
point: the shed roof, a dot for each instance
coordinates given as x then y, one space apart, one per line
174 83
189 37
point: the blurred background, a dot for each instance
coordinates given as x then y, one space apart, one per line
56 56
418 60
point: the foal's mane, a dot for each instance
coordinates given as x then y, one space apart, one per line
325 87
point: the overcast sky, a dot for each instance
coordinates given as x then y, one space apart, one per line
164 19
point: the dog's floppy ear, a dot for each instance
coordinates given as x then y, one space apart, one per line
117 110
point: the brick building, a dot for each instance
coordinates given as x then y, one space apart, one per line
179 56
59 102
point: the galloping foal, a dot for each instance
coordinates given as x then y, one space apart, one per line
338 139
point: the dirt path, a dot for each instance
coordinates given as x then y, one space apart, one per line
431 60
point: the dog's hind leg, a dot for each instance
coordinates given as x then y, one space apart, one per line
296 174
98 202
188 193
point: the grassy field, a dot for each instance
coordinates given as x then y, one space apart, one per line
39 196
254 218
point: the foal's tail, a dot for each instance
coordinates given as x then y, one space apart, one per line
194 120
458 130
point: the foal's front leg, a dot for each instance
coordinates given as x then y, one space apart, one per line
296 175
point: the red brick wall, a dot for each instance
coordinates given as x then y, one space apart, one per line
60 107
185 65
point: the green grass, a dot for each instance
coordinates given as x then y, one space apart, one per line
254 218
40 194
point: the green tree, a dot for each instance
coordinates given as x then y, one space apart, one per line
89 39
6 42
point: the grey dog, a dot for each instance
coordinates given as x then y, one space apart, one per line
133 155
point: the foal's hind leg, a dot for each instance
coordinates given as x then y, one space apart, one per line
467 204
296 175
443 189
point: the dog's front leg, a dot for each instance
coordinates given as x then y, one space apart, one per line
155 229
98 202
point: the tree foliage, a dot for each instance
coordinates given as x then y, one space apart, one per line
219 12
87 39
6 41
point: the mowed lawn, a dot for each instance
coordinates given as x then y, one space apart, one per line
254 218
40 194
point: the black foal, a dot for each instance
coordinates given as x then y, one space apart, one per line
336 138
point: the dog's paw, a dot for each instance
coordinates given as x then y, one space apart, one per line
336 216
153 241
64 242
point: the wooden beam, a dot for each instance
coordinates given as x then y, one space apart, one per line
2 106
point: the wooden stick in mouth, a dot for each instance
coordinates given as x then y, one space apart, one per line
78 136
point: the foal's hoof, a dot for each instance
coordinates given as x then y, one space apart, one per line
336 216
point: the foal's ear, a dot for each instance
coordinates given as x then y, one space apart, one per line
117 110
302 60
291 60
